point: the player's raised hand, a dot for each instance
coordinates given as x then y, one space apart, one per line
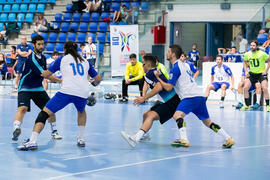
138 100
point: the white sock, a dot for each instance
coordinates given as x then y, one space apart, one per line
139 135
240 98
53 126
81 132
183 133
223 133
258 98
16 124
34 137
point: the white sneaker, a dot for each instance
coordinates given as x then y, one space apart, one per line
80 143
55 135
146 137
131 141
27 146
221 104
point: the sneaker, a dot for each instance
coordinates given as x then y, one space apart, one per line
255 106
55 135
131 141
268 108
245 108
16 134
27 146
124 99
229 143
239 105
180 143
80 143
146 137
221 104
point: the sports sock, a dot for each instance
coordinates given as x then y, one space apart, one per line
240 98
16 124
81 132
139 135
223 133
258 98
183 133
247 101
34 137
53 126
267 102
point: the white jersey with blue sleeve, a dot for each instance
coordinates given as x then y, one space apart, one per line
182 79
74 76
221 74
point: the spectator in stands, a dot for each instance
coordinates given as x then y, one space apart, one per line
267 25
78 6
3 36
13 57
133 16
243 44
267 43
162 68
194 55
3 65
121 15
133 76
234 56
91 51
40 23
142 53
82 46
224 52
93 5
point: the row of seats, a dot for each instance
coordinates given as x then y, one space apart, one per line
27 1
23 8
28 18
83 26
50 47
94 16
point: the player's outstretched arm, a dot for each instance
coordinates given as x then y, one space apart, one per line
96 81
157 88
166 86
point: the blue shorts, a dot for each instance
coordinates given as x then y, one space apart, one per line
217 85
61 100
253 87
19 67
196 105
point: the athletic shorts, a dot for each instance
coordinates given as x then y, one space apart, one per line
40 98
166 110
19 67
254 78
61 100
196 105
217 85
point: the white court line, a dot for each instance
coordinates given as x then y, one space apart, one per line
156 160
80 157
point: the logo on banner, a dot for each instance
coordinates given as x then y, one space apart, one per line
126 40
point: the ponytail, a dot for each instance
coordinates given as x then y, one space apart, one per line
71 48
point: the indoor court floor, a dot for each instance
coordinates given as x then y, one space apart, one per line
107 156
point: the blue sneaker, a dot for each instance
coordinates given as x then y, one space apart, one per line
239 105
255 106
80 143
27 146
16 134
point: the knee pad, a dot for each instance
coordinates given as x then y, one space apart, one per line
214 127
42 117
180 123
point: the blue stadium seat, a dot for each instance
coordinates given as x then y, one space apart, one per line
2 1
23 8
41 8
20 17
1 26
115 6
84 26
71 36
76 16
111 15
45 36
50 47
15 8
101 37
1 7
62 37
52 37
19 25
32 8
135 4
81 37
261 38
47 56
113 23
43 1
56 25
86 17
53 2
59 47
101 48
93 35
26 1
11 17
74 26
103 26
3 17
69 7
58 17
29 17
104 15
95 16
6 8
33 35
10 1
67 16
122 23
34 1
64 26
18 1
108 38
145 6
93 26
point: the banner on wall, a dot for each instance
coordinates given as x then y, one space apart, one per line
124 41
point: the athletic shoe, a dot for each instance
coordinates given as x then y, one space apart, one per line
180 143
245 108
55 135
229 143
221 104
146 137
131 141
268 108
239 105
27 146
16 134
124 99
255 106
80 143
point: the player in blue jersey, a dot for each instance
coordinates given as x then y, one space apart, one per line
162 112
75 89
30 87
182 82
220 77
194 55
234 56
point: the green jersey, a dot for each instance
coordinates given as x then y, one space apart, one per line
163 69
256 61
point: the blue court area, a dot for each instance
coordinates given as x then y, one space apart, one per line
108 157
